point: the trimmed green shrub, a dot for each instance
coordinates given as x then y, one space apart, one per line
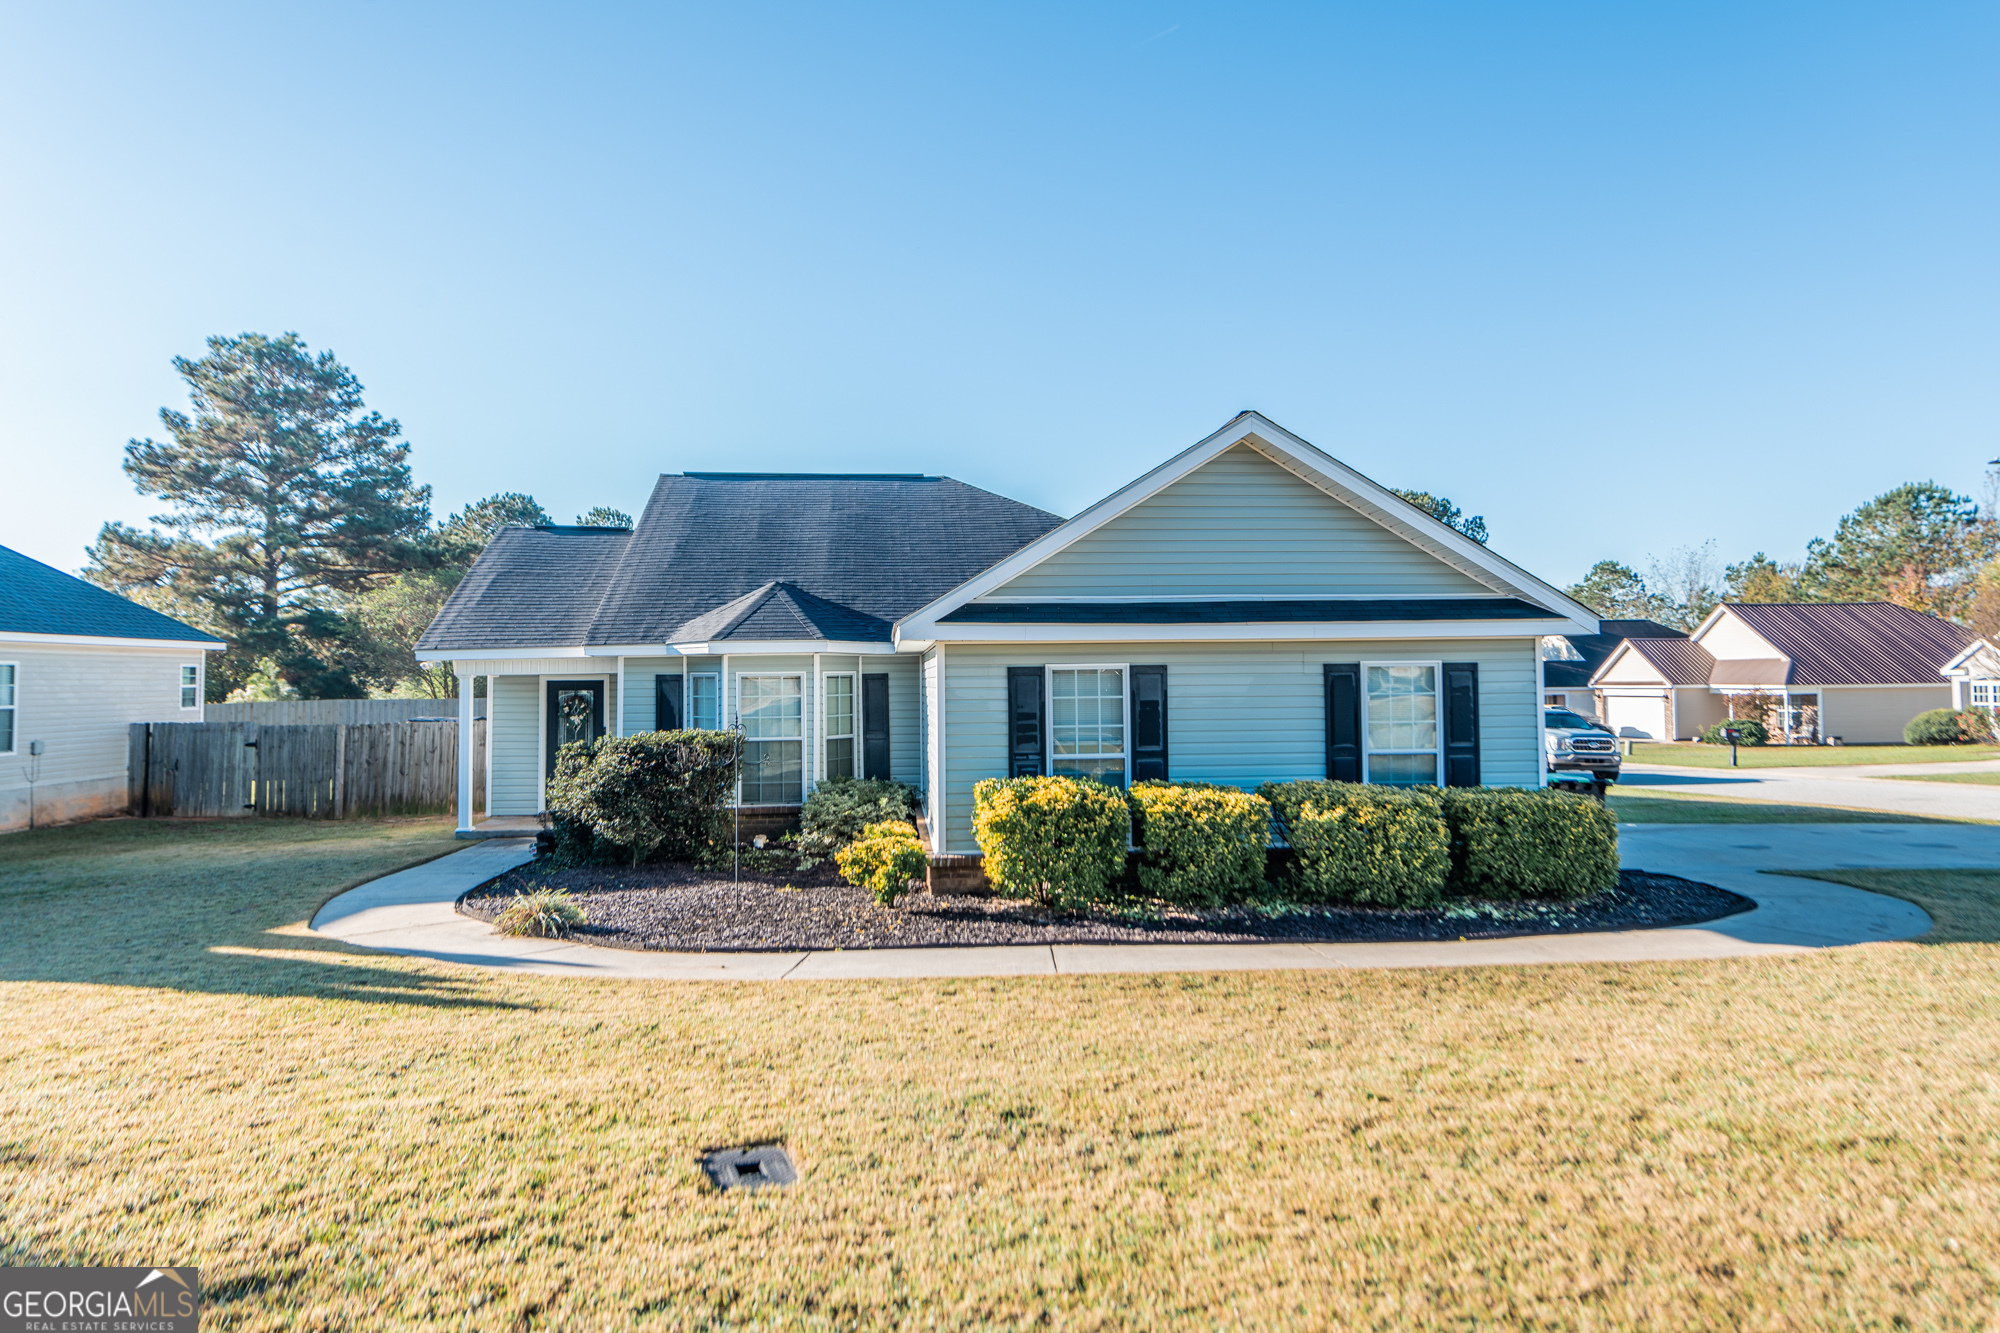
885 858
549 913
1945 726
1201 845
838 809
1375 846
1508 842
1749 731
1057 840
631 798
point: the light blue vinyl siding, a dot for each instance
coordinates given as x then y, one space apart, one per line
1241 526
1239 713
639 697
515 712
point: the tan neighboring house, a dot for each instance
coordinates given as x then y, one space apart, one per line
77 666
1855 672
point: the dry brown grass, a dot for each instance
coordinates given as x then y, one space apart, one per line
346 1140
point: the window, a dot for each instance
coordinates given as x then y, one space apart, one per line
190 687
840 726
1556 700
1087 722
773 712
703 690
1982 694
1400 722
7 675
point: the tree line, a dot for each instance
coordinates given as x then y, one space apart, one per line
293 530
1920 545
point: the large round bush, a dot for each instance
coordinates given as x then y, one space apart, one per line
1057 840
1749 731
1945 726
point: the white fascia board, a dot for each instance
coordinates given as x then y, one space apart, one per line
782 646
102 641
1236 597
1309 464
1245 633
1959 664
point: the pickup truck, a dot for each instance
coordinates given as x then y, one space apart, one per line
1580 751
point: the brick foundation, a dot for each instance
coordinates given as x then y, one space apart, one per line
964 876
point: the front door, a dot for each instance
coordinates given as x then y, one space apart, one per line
576 713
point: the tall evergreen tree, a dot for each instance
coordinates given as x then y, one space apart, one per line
1616 592
284 497
1919 546
1447 513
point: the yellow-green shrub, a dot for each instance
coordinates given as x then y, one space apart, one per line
885 858
1376 846
1057 840
1201 845
1507 842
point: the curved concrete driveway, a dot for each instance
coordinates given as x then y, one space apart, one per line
412 912
1862 787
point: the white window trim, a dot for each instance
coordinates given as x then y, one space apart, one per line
853 735
1049 704
181 685
14 741
800 739
687 699
1368 750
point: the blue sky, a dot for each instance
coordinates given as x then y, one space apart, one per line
1620 278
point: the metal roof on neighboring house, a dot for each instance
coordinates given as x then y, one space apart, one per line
745 555
1679 661
40 599
1856 643
1595 648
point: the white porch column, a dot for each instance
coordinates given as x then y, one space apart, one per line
465 753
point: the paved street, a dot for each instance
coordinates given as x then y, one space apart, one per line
1863 787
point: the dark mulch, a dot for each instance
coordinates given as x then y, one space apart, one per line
681 908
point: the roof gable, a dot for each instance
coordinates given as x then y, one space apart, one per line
1240 526
1256 450
1673 661
40 599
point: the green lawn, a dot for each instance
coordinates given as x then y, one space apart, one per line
1964 904
1806 756
1976 779
1659 806
353 1141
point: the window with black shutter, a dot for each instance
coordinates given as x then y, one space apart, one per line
875 724
1343 721
1461 724
667 703
1149 724
1024 722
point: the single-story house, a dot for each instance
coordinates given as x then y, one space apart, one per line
1852 671
77 665
1250 609
1570 660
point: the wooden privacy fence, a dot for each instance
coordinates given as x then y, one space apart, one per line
320 772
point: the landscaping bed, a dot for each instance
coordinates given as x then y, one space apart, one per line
685 909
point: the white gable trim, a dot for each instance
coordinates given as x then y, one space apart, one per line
1302 460
1962 665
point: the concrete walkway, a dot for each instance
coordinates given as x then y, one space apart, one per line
1864 787
412 912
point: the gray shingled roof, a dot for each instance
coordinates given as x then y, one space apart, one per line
1596 648
751 555
40 599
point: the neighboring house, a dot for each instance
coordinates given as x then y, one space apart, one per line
1251 609
77 664
1570 660
1855 671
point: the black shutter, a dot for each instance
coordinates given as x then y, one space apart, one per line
875 725
1024 722
1149 724
1461 724
1343 721
666 703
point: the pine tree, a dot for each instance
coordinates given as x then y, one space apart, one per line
285 497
